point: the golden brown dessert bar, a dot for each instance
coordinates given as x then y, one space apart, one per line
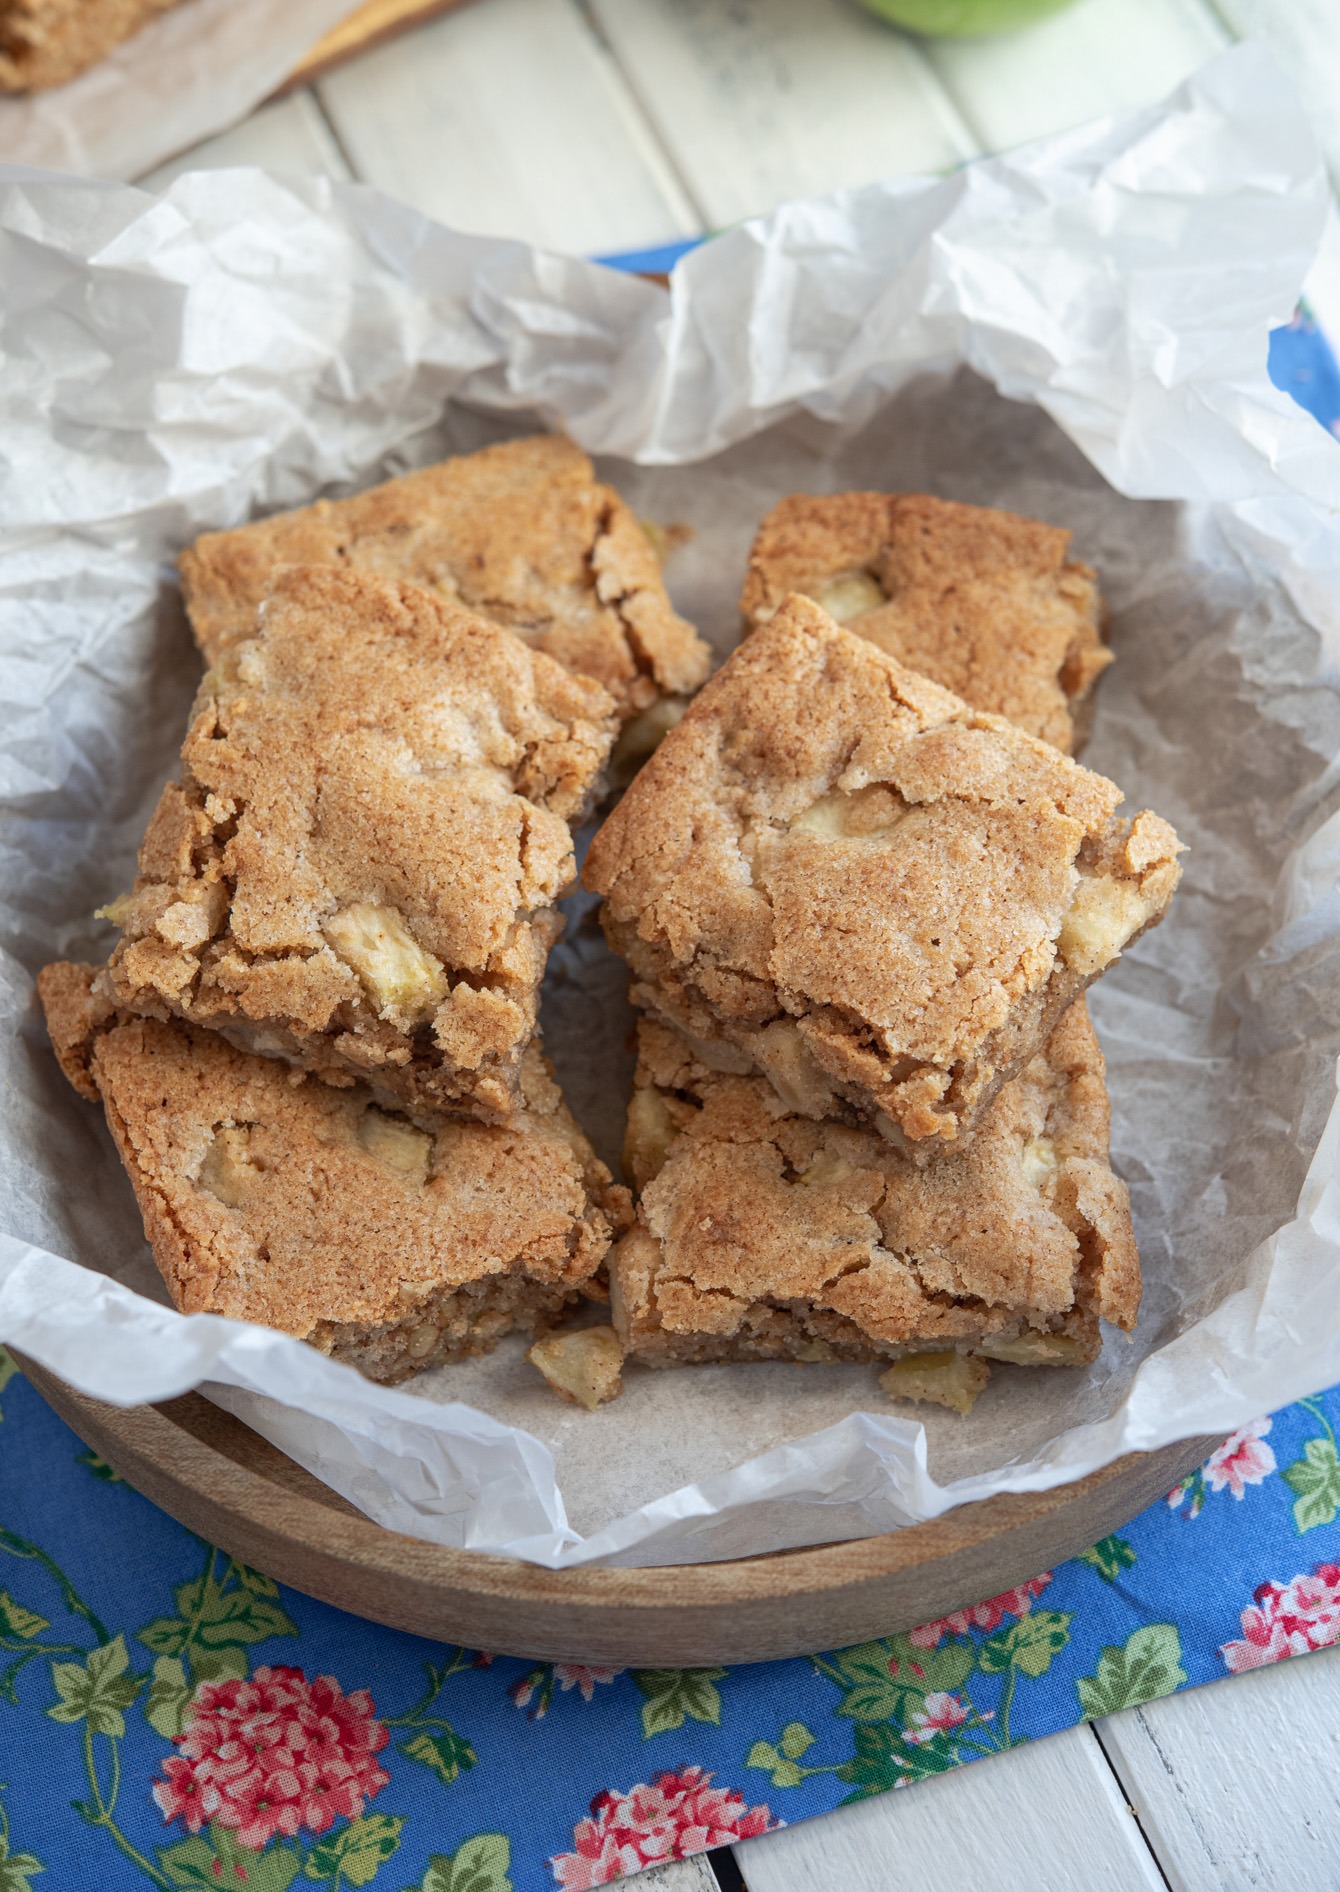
764 1235
522 534
986 603
269 1197
45 42
357 868
837 874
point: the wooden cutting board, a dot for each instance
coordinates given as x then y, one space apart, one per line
374 21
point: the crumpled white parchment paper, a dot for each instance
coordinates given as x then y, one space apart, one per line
191 72
1078 331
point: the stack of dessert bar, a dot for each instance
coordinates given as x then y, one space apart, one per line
861 883
315 1040
862 888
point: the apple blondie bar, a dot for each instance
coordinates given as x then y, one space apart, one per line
522 534
45 42
987 603
835 873
762 1234
357 868
270 1197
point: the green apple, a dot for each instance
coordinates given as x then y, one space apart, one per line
956 19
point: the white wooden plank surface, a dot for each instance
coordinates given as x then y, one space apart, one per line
1047 1817
1096 57
1238 1783
289 135
761 100
509 118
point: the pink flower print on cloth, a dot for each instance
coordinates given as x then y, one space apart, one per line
940 1715
673 1817
537 1685
522 1691
574 1675
1241 1461
1288 1619
273 1755
987 1616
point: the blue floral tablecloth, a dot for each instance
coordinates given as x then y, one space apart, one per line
171 1718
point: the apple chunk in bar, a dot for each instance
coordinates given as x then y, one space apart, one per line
763 1235
522 534
270 1197
838 875
358 867
987 603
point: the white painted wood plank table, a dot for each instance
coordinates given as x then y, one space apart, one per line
607 125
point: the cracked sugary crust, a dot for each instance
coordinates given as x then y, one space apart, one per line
908 968
522 534
984 602
390 1269
371 748
767 1235
45 42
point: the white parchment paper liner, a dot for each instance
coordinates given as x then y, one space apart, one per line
191 72
177 363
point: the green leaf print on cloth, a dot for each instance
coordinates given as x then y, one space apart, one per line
447 1754
209 1860
169 1694
353 1855
480 1864
674 1696
97 1467
1109 1557
434 1743
17 1624
1148 1664
890 1679
911 1698
1315 1477
782 1763
97 1690
1028 1645
885 1758
17 1870
214 1614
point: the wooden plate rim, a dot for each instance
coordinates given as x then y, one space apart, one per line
147 1434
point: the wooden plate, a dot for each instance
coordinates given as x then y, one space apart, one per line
236 1490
